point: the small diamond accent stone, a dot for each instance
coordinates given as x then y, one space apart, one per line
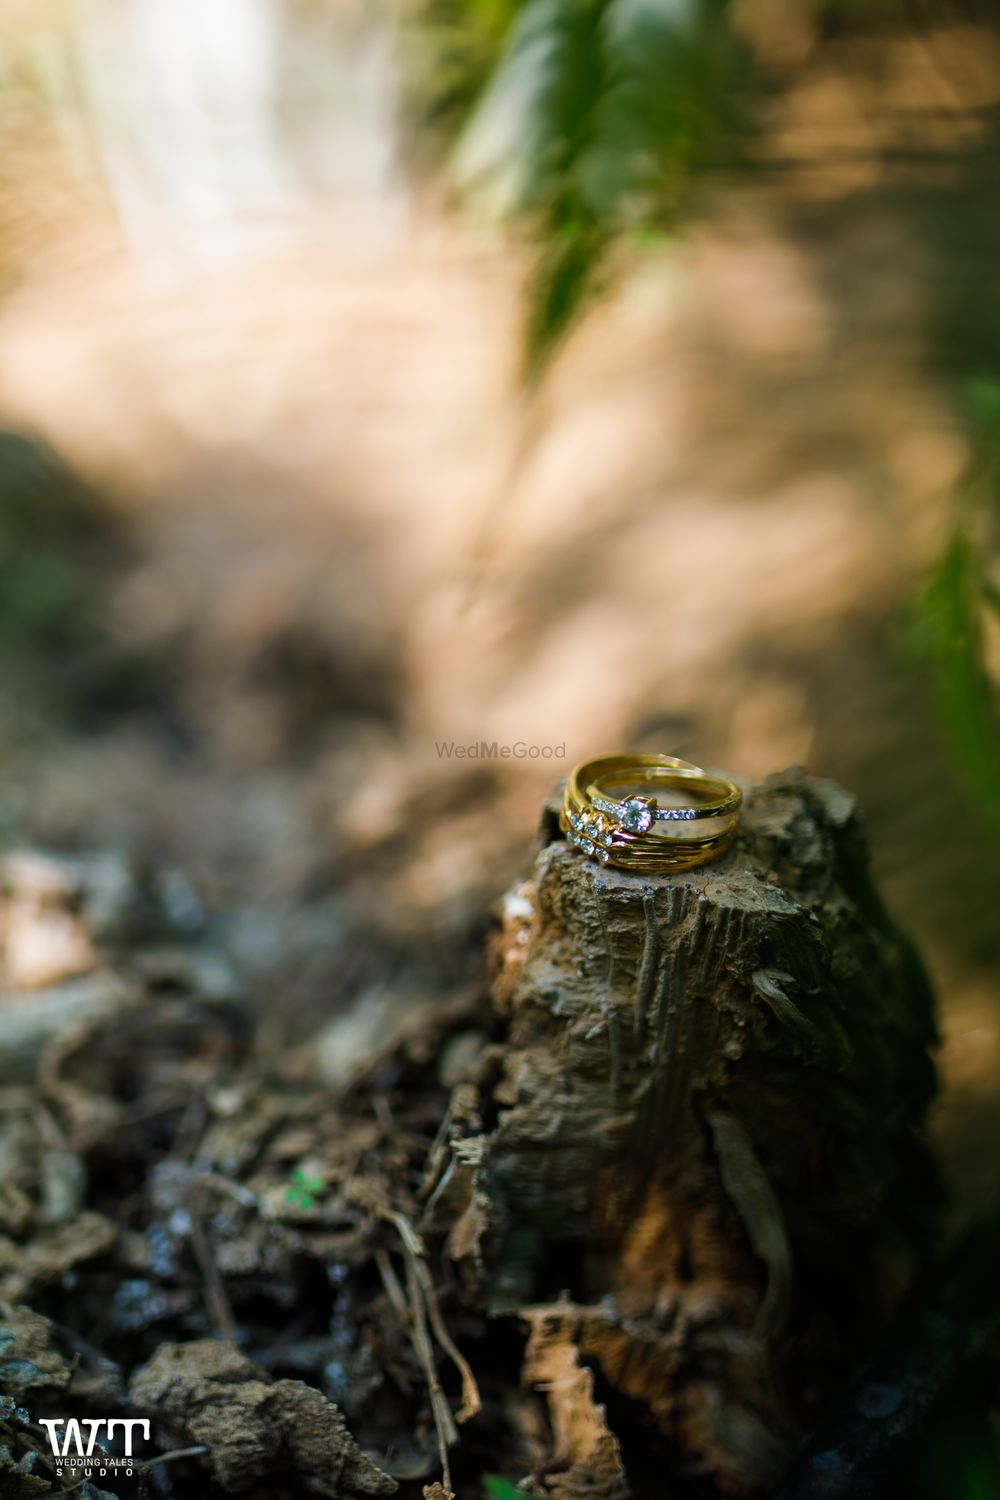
586 846
636 816
603 856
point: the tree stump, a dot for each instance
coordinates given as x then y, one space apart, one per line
697 1157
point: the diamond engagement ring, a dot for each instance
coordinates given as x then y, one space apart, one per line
636 812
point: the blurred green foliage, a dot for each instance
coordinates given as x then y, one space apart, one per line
949 636
451 47
498 1488
60 549
50 530
958 1457
951 612
584 121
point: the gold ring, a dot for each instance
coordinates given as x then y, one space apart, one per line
635 829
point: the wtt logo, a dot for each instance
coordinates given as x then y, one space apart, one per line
72 1439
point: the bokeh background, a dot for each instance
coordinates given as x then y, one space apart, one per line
375 376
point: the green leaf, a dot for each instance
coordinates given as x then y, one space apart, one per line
948 634
449 48
981 400
564 279
498 1488
601 119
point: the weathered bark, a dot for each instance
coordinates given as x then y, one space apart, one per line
700 1147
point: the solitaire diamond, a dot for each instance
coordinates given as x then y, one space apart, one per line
636 815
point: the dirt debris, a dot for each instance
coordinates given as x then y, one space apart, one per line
51 1253
207 1392
586 1453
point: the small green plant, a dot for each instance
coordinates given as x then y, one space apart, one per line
302 1190
498 1488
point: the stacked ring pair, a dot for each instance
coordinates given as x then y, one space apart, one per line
649 812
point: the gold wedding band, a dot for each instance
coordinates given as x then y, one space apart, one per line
615 812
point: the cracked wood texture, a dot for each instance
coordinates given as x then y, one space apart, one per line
699 1147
